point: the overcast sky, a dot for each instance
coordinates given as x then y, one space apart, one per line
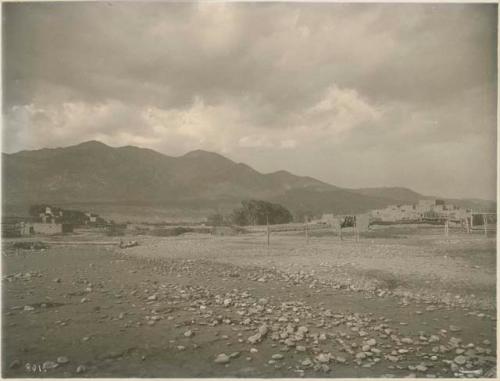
356 95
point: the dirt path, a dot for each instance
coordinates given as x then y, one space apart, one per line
460 270
110 314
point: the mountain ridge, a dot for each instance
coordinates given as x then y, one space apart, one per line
95 172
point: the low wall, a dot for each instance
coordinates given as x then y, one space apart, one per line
41 228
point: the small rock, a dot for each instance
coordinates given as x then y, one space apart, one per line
29 308
421 368
81 369
222 359
263 301
323 358
307 362
15 364
371 342
62 360
48 365
277 356
460 360
433 339
340 359
188 333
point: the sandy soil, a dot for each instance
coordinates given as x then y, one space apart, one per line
172 306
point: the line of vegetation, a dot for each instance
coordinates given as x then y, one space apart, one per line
253 212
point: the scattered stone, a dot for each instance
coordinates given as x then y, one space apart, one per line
29 308
460 360
433 339
340 359
277 356
62 360
371 342
221 358
306 362
81 369
48 365
188 333
262 332
323 358
15 364
421 368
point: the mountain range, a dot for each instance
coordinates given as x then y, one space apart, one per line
94 173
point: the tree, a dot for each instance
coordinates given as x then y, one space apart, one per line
239 217
257 212
215 219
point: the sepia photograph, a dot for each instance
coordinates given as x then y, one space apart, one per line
249 190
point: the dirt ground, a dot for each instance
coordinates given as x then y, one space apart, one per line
390 305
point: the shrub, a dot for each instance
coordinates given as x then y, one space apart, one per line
257 212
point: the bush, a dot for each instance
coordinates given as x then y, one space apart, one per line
27 245
256 212
215 219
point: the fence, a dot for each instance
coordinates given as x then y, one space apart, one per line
357 223
486 222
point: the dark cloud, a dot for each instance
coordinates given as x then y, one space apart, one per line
253 79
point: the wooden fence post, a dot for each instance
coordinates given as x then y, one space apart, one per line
306 230
268 232
356 228
485 223
467 226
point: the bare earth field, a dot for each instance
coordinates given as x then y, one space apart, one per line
397 303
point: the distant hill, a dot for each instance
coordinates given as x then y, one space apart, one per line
396 194
93 173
